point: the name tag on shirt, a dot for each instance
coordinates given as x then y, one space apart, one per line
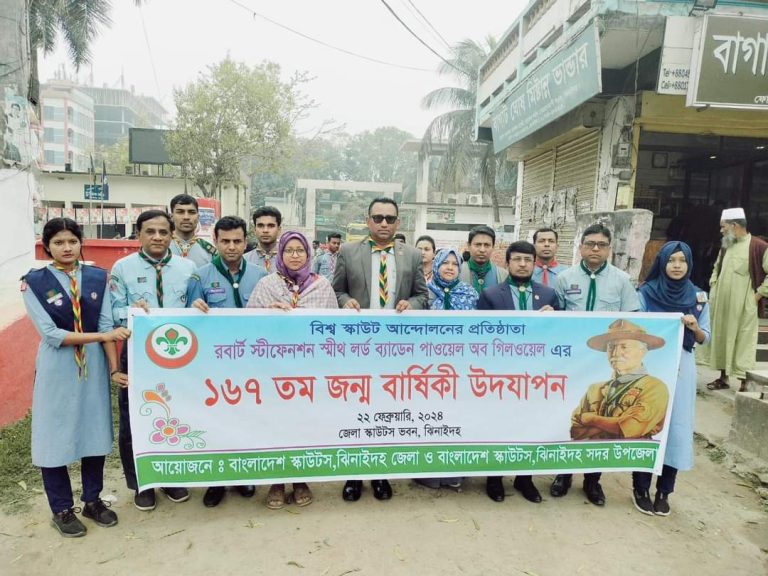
53 297
141 280
215 290
573 291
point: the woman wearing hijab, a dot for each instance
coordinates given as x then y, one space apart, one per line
293 285
69 304
668 288
447 292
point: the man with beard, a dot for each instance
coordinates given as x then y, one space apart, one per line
227 282
186 217
519 292
737 286
267 221
593 285
547 268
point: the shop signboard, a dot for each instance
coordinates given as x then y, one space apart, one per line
441 215
730 66
676 53
569 78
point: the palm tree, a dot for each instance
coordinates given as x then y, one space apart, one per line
463 157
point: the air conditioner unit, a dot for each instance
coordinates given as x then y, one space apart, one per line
475 199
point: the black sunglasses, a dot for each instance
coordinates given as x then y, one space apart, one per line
379 217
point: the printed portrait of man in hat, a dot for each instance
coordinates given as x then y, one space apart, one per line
632 404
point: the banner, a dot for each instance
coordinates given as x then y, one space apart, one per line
257 396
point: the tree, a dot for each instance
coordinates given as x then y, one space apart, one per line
376 156
463 158
115 156
235 119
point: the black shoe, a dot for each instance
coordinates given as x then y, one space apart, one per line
594 493
145 500
213 496
381 489
560 485
352 490
642 501
68 524
494 488
246 491
524 485
99 512
176 494
661 504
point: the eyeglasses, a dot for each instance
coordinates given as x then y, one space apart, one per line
592 245
295 251
522 259
378 218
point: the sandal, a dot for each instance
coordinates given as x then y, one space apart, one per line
276 497
743 387
302 495
718 384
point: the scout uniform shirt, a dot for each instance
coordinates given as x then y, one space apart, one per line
552 274
198 250
133 279
615 292
217 291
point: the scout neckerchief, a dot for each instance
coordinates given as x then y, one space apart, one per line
224 271
480 271
383 282
158 266
521 290
267 257
185 246
74 291
293 288
592 294
545 268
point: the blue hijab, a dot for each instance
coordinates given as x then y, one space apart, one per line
662 294
456 295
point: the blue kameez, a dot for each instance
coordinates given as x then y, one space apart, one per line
679 453
71 418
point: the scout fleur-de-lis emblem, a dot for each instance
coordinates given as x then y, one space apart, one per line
171 341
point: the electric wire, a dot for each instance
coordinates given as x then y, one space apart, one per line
428 23
322 43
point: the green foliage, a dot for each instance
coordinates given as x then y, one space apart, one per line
115 156
78 22
464 162
235 118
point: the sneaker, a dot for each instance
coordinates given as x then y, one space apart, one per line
176 494
144 500
99 512
661 504
642 500
68 524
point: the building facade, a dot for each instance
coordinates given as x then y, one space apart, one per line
116 110
597 102
68 124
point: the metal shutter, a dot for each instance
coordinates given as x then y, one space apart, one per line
537 181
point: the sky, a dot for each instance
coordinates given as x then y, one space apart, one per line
166 44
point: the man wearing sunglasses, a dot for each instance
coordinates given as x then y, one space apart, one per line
379 274
593 285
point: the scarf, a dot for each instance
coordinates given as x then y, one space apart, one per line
592 294
479 272
296 280
662 294
74 291
545 268
224 271
455 295
158 266
521 291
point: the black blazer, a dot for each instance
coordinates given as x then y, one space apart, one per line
499 297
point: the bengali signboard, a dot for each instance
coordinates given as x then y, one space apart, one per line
730 67
567 79
255 396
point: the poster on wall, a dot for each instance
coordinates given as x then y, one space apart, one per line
108 216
